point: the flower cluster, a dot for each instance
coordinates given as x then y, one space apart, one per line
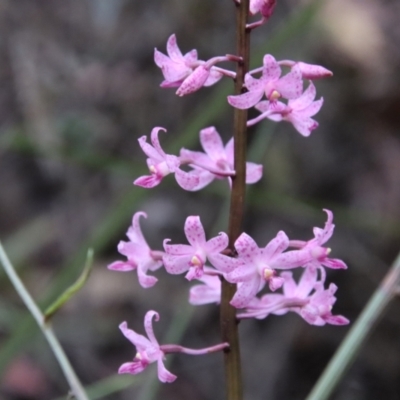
252 269
190 74
215 163
263 275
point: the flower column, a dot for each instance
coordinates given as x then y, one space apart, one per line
229 325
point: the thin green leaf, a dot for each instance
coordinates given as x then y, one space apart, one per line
75 287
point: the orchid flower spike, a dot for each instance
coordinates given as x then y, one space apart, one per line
180 258
161 164
138 253
290 86
217 161
148 350
185 71
319 254
298 111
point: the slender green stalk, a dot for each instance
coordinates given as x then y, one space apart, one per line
228 321
62 359
354 340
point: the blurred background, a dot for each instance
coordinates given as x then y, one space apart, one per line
79 86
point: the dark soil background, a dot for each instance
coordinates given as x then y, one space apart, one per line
79 86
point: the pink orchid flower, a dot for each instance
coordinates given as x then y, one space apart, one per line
161 164
290 86
148 350
298 111
217 161
317 251
180 258
258 266
308 298
185 71
138 253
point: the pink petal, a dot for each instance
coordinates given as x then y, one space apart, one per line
132 368
213 78
122 266
173 49
311 71
313 108
246 100
253 83
194 273
217 243
135 232
263 106
190 57
194 81
194 232
307 282
150 151
175 72
291 85
334 263
241 273
276 246
155 141
289 285
176 264
212 143
160 59
163 374
148 325
304 125
223 263
305 99
209 292
271 69
246 247
178 249
245 293
146 281
253 172
148 181
187 181
336 320
138 340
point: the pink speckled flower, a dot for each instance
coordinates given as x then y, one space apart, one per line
161 164
148 350
308 298
185 71
180 258
314 246
138 253
290 86
258 266
217 161
298 111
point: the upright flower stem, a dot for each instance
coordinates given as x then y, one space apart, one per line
229 323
